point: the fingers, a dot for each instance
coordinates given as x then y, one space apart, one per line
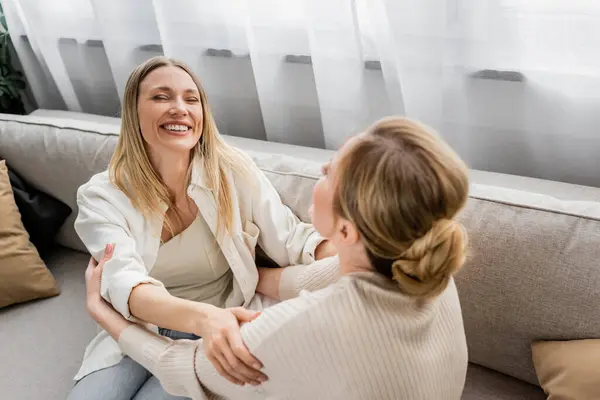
231 370
93 263
244 315
221 370
241 359
108 252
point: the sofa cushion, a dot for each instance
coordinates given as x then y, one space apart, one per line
23 275
485 384
42 215
568 370
43 341
57 158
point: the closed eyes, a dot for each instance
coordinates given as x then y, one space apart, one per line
163 97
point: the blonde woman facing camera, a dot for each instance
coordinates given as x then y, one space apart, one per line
186 212
390 327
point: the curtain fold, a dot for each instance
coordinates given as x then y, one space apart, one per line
511 84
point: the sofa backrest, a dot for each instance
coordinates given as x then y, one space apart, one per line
57 156
534 267
533 274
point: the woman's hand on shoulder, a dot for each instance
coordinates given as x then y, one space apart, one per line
225 349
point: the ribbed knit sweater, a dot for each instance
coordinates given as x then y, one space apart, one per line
359 338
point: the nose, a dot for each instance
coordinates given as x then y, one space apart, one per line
179 108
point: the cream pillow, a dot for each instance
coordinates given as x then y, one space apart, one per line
23 274
568 370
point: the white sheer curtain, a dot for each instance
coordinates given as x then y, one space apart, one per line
512 84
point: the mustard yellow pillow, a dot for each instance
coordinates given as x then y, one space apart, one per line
23 274
568 370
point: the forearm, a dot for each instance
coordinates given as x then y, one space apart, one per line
286 283
268 282
155 305
292 280
109 319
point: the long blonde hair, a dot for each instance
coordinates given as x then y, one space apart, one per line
401 186
130 168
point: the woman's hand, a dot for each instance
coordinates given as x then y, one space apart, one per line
93 278
223 345
101 311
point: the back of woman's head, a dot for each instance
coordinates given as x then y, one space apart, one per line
402 186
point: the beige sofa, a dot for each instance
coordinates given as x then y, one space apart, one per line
533 271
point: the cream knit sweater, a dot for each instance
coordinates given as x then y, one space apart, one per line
359 338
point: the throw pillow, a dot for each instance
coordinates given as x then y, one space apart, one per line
42 215
23 275
568 370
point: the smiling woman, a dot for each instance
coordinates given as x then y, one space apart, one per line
177 202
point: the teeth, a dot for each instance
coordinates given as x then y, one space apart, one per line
177 128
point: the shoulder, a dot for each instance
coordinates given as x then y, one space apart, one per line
245 166
99 181
99 191
246 174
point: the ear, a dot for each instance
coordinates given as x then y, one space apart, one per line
348 233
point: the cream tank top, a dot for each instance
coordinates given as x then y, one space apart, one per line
192 266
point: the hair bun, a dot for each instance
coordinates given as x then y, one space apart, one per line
425 268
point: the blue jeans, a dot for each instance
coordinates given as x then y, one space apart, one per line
127 380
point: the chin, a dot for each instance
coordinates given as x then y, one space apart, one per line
180 142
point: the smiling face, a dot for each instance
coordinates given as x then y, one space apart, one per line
169 111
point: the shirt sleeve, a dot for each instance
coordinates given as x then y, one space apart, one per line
98 223
283 236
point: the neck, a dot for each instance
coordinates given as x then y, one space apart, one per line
172 168
354 261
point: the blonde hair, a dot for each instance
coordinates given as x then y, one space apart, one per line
401 186
130 168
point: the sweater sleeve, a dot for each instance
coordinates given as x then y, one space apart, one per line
311 277
184 370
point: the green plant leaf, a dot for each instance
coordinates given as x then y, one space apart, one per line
13 92
20 85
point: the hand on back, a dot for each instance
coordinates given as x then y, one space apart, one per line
224 347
